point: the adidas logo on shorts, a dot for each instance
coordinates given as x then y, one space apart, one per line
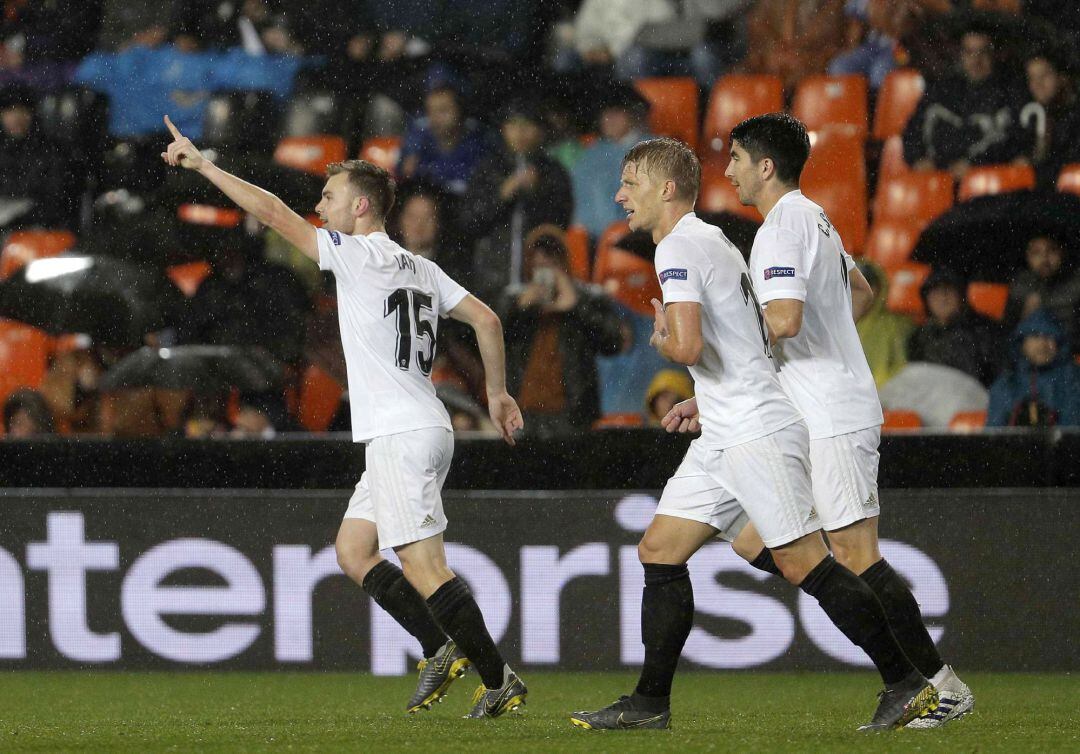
871 501
429 520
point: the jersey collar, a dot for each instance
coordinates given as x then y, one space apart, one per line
788 197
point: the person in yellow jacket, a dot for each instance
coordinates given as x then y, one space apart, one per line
884 334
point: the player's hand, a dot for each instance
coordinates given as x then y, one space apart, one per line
659 330
506 415
181 151
682 418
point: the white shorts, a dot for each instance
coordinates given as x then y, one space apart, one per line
400 491
766 481
844 474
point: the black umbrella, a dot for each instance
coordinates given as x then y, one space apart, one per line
199 367
985 238
115 302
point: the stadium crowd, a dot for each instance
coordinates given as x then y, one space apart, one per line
506 136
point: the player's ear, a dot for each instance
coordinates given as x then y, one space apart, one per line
768 168
361 204
668 192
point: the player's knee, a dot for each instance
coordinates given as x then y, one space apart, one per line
354 561
857 556
792 567
651 550
746 550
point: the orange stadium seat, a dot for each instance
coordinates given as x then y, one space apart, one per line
611 234
23 246
835 178
832 101
899 96
188 277
916 197
310 153
673 106
628 278
319 397
968 421
24 356
733 99
890 243
384 151
905 280
892 160
619 421
1069 179
988 298
205 214
995 179
577 247
900 419
718 195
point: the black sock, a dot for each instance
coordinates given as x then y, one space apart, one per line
764 562
459 615
904 616
387 585
851 605
667 614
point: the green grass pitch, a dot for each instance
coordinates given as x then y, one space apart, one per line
203 712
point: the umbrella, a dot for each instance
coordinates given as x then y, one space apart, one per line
114 302
985 238
199 367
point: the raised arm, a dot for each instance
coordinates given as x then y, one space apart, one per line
269 209
485 323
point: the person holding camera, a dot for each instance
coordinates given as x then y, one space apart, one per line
555 328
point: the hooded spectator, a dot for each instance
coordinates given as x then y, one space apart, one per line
954 334
668 387
884 334
1043 386
26 414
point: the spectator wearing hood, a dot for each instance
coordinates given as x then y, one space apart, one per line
1043 386
884 334
954 334
668 387
1047 283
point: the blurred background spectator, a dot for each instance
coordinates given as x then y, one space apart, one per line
27 415
668 387
555 327
954 335
443 146
884 334
1049 282
35 187
1042 386
1052 117
794 38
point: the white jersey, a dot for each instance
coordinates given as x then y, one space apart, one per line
738 393
389 301
798 255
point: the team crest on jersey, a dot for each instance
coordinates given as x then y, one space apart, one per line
672 274
335 237
779 272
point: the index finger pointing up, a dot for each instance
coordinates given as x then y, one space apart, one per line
173 129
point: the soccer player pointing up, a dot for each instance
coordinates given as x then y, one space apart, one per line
389 302
751 461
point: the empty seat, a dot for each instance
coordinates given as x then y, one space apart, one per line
718 195
899 419
899 96
619 421
996 179
988 298
607 239
188 277
968 421
384 151
24 356
733 99
310 154
247 121
577 247
832 101
24 246
905 280
835 178
76 117
673 106
1069 179
892 162
629 279
916 197
891 242
320 395
205 214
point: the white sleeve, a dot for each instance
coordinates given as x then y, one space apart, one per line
343 255
678 267
450 292
779 265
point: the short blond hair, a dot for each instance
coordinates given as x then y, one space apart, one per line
671 160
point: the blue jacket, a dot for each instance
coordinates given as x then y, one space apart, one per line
1056 386
145 83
